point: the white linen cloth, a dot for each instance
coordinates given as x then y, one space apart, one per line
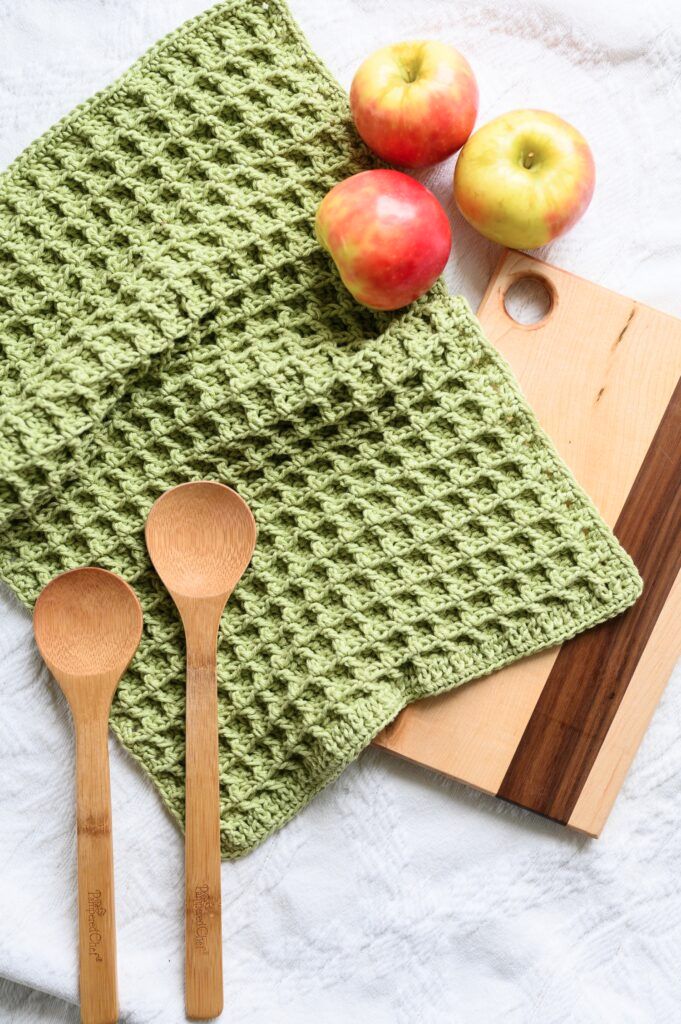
396 896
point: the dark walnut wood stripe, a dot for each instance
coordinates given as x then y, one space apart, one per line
592 672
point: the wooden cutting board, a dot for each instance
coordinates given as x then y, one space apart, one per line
557 732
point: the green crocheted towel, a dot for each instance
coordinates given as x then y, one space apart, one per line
167 315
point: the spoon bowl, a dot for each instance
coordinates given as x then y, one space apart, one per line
87 623
200 537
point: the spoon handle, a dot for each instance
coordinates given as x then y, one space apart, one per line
96 917
203 907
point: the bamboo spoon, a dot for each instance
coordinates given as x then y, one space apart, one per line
200 537
87 624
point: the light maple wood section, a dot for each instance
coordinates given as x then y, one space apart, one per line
88 624
471 734
599 372
200 538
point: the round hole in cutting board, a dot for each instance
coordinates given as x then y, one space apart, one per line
528 300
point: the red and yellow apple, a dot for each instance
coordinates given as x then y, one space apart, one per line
524 178
387 234
414 103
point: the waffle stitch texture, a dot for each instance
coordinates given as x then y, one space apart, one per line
166 316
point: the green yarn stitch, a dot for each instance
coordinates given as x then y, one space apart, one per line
166 315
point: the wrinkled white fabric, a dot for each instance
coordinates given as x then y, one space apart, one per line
396 896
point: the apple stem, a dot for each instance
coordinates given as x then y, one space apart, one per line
527 162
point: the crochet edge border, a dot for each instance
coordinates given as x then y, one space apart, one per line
149 58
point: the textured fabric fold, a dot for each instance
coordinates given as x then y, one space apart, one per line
127 222
167 315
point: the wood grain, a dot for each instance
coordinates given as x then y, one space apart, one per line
633 715
586 685
96 908
200 537
203 918
599 371
88 624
